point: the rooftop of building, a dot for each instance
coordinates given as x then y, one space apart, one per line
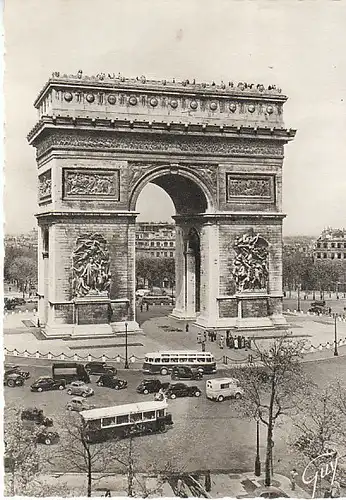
330 233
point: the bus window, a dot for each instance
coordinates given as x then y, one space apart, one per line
208 360
122 419
182 360
160 413
165 360
136 417
107 421
146 360
149 415
174 360
200 360
192 360
157 360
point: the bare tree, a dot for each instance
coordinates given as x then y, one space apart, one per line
272 388
22 460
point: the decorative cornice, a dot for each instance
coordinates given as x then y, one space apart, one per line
73 214
231 216
48 123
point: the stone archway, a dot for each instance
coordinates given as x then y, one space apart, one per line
216 150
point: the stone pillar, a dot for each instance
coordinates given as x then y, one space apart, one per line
190 280
179 308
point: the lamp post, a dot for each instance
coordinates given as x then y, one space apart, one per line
298 298
336 353
126 366
257 460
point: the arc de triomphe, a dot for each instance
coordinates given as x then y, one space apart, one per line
217 150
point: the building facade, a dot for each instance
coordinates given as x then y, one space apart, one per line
330 245
155 240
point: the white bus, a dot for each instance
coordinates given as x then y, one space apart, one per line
163 362
122 421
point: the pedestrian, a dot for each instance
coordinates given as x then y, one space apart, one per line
187 328
147 306
205 336
199 338
203 346
239 342
141 307
236 342
215 336
243 342
180 488
249 343
108 493
335 490
330 311
231 342
38 323
221 342
293 476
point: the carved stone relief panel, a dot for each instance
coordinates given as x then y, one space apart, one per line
250 264
45 186
82 183
243 187
90 266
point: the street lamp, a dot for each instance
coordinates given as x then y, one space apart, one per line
336 353
126 366
257 460
298 298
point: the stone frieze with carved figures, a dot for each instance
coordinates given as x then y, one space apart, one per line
250 264
90 266
45 185
244 186
91 183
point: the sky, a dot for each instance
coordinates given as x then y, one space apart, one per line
297 45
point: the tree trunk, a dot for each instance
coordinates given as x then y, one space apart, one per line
89 473
130 475
268 461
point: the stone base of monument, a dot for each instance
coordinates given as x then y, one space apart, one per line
90 331
182 315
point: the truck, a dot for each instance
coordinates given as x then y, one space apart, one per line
70 372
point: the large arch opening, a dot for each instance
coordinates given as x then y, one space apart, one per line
188 200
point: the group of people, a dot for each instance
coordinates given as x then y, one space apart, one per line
230 341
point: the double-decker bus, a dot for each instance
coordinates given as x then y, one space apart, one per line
127 420
163 362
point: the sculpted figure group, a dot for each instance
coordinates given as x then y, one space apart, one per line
90 265
250 268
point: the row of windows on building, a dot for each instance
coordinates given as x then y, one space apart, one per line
155 243
332 244
161 254
325 255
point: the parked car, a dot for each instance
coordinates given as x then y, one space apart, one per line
13 379
141 292
181 390
317 310
266 492
16 369
47 384
37 416
112 382
48 437
18 301
79 388
184 372
151 385
78 404
99 368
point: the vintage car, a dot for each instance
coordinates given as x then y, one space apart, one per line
112 382
151 385
78 404
99 368
182 390
13 379
47 384
37 416
79 388
45 436
185 372
16 369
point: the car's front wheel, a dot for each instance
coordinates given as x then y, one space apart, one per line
100 384
11 383
61 387
173 396
39 389
220 399
69 392
84 394
164 371
145 391
69 408
237 395
197 394
48 441
116 387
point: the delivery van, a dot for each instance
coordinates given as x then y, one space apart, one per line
70 372
219 389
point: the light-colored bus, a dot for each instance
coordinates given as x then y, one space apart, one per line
122 421
163 362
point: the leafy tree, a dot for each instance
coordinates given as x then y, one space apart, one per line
23 270
155 271
272 388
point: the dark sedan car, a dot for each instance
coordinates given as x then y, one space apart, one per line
151 385
182 390
98 368
112 382
37 416
47 384
9 369
184 372
45 436
13 379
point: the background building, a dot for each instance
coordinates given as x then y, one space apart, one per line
25 240
331 244
155 239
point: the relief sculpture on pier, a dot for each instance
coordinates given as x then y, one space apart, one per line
250 265
90 266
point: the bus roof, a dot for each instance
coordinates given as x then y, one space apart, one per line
113 411
176 353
